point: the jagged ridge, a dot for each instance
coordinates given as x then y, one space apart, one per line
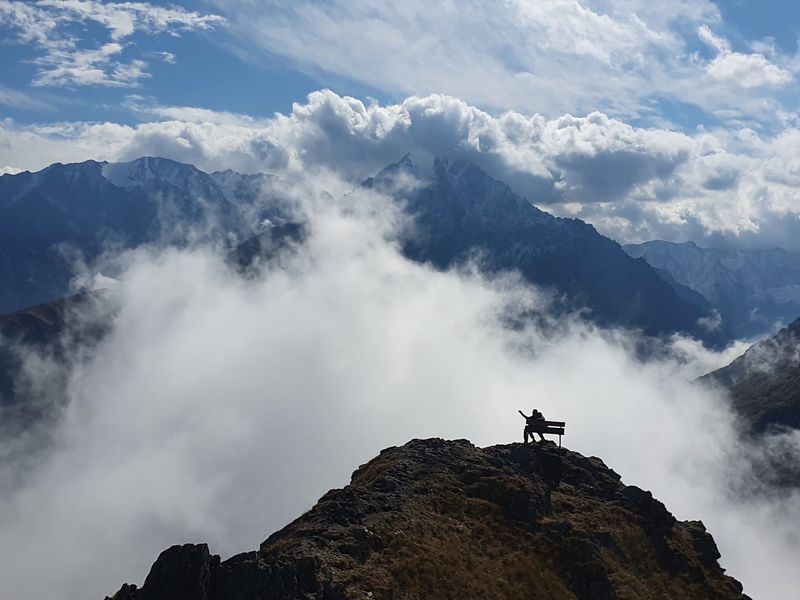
437 518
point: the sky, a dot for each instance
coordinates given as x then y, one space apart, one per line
675 120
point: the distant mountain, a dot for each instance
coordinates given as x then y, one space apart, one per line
463 213
444 519
764 383
752 289
65 214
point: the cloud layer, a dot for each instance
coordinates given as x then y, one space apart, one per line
633 183
219 408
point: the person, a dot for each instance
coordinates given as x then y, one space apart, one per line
532 424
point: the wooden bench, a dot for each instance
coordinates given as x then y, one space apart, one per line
554 427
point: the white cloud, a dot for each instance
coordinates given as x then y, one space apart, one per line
122 19
186 114
99 66
168 57
52 27
748 70
744 70
223 432
711 39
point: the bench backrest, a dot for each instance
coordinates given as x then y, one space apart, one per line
548 427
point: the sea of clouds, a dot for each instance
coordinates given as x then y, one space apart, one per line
219 407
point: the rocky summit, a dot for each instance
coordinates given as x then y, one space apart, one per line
445 519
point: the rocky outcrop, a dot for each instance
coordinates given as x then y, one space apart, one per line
445 519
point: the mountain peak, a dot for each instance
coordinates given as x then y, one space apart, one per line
437 518
145 169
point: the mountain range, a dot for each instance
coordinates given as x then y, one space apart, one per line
753 290
55 221
68 215
444 519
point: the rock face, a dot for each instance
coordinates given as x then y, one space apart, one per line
444 519
764 383
752 289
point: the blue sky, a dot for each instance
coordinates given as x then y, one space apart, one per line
223 66
204 68
694 105
758 19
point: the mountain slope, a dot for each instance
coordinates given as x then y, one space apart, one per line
445 519
63 331
752 289
462 213
66 214
764 383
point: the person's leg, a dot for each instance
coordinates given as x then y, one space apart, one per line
541 438
525 434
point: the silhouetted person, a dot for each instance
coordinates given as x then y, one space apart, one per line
532 423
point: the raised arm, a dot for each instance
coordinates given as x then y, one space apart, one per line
524 416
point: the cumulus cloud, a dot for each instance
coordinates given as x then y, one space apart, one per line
52 27
744 70
633 183
218 408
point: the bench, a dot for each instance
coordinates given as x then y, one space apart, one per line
554 427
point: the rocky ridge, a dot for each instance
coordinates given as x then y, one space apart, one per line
445 519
